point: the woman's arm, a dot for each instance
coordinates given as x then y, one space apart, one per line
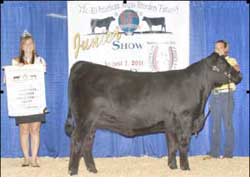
42 61
15 62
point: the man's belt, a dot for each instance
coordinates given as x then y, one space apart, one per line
218 91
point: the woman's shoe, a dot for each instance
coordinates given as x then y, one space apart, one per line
35 164
26 163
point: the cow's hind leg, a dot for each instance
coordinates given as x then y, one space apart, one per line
163 27
87 150
172 143
183 150
75 154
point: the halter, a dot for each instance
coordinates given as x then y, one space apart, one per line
216 69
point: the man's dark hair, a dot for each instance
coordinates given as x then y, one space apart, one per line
222 41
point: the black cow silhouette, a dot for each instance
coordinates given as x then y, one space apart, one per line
155 22
101 23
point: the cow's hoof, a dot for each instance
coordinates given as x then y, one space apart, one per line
92 169
185 168
172 166
72 172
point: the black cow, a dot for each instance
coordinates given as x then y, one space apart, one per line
155 22
101 23
138 103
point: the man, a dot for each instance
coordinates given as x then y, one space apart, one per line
221 106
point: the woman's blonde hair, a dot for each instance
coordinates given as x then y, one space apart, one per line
25 36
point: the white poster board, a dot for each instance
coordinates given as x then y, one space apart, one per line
119 35
25 90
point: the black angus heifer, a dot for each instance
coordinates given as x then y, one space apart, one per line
101 23
133 103
155 22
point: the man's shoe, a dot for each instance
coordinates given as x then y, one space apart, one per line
227 156
209 157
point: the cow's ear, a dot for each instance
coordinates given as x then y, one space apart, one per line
213 58
215 54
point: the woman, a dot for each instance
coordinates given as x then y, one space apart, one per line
29 125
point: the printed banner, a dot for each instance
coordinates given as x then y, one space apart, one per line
25 90
146 36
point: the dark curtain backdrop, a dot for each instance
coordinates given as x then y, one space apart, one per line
209 21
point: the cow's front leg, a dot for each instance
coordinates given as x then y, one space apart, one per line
75 155
150 27
172 144
87 151
183 150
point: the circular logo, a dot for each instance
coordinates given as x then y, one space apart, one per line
128 21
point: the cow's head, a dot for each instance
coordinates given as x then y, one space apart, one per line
222 71
112 18
144 18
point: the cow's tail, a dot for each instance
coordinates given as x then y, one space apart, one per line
69 124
